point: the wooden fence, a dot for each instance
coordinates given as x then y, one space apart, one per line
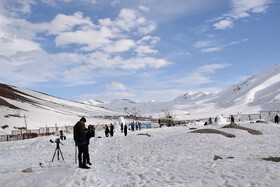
33 133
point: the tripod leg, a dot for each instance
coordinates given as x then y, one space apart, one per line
75 154
53 155
61 154
57 153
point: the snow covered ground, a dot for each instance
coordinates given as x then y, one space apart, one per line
170 157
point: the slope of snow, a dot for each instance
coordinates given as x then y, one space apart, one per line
170 157
258 93
93 102
46 110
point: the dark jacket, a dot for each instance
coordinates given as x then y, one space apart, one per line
89 134
111 129
276 119
232 119
125 129
79 133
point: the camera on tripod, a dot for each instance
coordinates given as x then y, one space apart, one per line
57 149
57 140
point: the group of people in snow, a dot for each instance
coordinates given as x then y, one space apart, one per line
209 122
108 130
82 137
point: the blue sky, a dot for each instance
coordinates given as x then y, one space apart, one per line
142 50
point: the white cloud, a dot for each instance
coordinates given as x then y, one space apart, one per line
211 49
210 46
223 24
241 9
147 29
195 79
107 96
104 60
201 75
63 23
203 43
95 47
166 10
143 8
11 45
120 46
17 7
246 6
116 86
144 49
109 35
141 63
211 68
152 39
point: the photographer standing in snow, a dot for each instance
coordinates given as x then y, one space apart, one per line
90 132
80 140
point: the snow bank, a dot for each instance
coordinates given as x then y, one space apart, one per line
170 157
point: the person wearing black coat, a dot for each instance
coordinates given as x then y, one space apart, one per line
125 130
121 127
132 126
107 131
276 119
89 133
231 119
80 141
111 130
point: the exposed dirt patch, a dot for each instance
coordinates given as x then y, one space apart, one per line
260 121
251 131
20 128
13 94
192 128
5 126
216 157
6 104
146 134
214 131
273 159
12 115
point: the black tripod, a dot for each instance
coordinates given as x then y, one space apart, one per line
57 150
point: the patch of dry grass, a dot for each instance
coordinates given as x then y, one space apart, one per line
251 131
214 131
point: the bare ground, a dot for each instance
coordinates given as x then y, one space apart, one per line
214 131
251 131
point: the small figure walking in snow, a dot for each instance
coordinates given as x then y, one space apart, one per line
111 130
210 121
122 128
106 129
139 126
276 119
132 126
231 119
125 130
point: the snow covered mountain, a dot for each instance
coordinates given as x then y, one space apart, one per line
258 93
43 110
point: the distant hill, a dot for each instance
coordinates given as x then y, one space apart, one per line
258 93
44 110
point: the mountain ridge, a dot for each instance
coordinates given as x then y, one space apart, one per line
260 92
